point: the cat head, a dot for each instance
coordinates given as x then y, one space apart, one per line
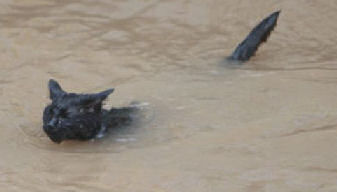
71 115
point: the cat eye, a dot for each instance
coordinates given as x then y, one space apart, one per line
89 110
63 112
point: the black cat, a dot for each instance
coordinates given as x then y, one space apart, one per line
80 116
255 38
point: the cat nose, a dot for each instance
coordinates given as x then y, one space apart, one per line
52 122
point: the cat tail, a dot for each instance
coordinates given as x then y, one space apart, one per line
255 38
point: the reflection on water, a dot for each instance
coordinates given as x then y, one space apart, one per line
266 125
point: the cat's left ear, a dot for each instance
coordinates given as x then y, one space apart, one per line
93 99
55 89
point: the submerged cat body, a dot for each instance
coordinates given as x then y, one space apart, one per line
73 116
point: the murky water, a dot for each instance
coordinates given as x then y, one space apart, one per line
268 125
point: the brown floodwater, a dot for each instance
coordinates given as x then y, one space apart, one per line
267 125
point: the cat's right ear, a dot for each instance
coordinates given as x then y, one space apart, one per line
55 89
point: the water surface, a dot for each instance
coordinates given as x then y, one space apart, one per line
267 125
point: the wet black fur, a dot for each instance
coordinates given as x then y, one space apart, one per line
255 38
73 116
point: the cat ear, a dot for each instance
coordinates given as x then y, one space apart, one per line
104 94
55 89
93 99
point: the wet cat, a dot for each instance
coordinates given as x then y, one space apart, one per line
73 116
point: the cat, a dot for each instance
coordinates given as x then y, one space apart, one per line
72 116
255 38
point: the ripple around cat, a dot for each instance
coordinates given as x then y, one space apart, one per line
142 132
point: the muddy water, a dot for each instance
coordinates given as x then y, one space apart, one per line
268 125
